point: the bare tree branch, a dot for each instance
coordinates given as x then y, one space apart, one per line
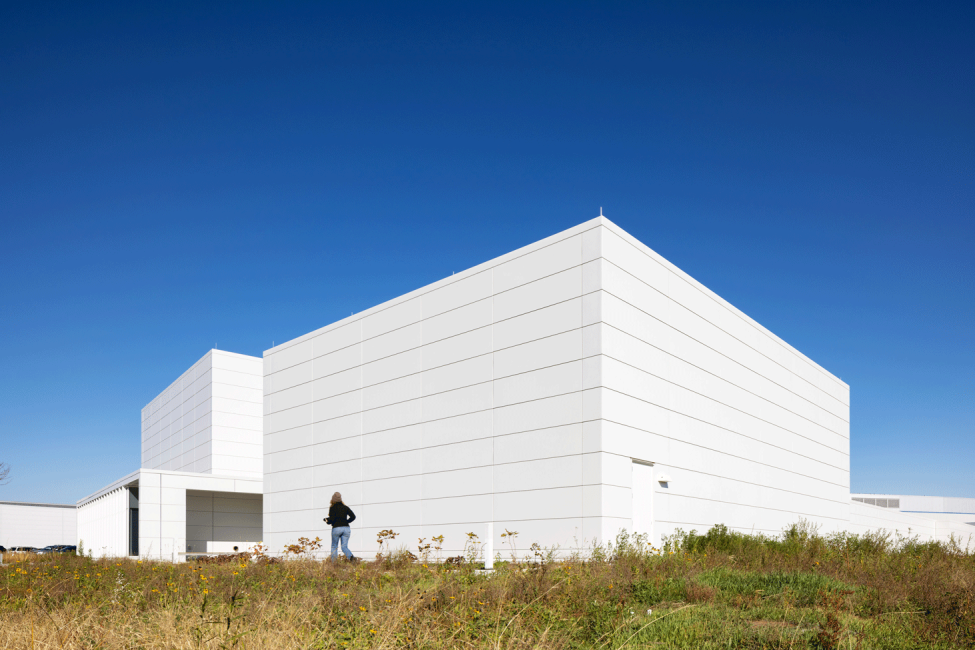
4 473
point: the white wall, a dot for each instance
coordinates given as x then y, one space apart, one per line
947 505
165 523
519 391
753 434
176 424
866 518
213 517
103 523
962 533
451 407
961 506
237 414
208 420
925 526
941 518
37 524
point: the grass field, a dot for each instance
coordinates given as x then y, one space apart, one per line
719 590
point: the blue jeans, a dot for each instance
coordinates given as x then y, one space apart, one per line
341 533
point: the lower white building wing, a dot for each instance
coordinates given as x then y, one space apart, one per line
164 515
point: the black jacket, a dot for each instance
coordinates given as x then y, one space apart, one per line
339 514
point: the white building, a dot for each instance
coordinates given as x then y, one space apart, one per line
209 420
200 484
567 390
938 518
37 524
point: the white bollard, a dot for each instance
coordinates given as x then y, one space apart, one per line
489 549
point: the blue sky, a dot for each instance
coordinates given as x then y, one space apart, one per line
177 176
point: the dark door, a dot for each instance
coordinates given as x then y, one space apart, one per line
133 531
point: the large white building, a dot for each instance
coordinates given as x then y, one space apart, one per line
568 390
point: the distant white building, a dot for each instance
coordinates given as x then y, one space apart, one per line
568 390
37 524
939 518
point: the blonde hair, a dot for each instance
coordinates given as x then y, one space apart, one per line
336 498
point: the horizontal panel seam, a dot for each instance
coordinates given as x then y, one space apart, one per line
758 507
761 442
724 404
446 338
670 410
728 381
459 277
750 460
735 361
424 370
740 315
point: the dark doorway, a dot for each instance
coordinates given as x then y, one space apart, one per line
134 521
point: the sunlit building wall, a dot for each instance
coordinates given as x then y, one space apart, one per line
568 390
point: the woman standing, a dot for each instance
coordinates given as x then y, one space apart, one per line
340 516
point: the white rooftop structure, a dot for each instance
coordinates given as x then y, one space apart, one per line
200 485
208 420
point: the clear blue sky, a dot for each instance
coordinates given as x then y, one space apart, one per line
175 176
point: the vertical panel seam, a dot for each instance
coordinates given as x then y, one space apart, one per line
494 439
582 394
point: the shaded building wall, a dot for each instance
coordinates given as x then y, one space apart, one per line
222 517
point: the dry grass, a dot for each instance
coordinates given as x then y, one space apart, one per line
719 590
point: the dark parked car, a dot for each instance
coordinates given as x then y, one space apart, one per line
58 548
22 549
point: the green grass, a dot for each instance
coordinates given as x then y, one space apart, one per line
802 589
717 590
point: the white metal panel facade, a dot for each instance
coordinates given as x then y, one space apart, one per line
643 493
440 412
164 513
103 524
959 510
167 515
208 420
923 525
519 391
214 518
752 433
37 524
